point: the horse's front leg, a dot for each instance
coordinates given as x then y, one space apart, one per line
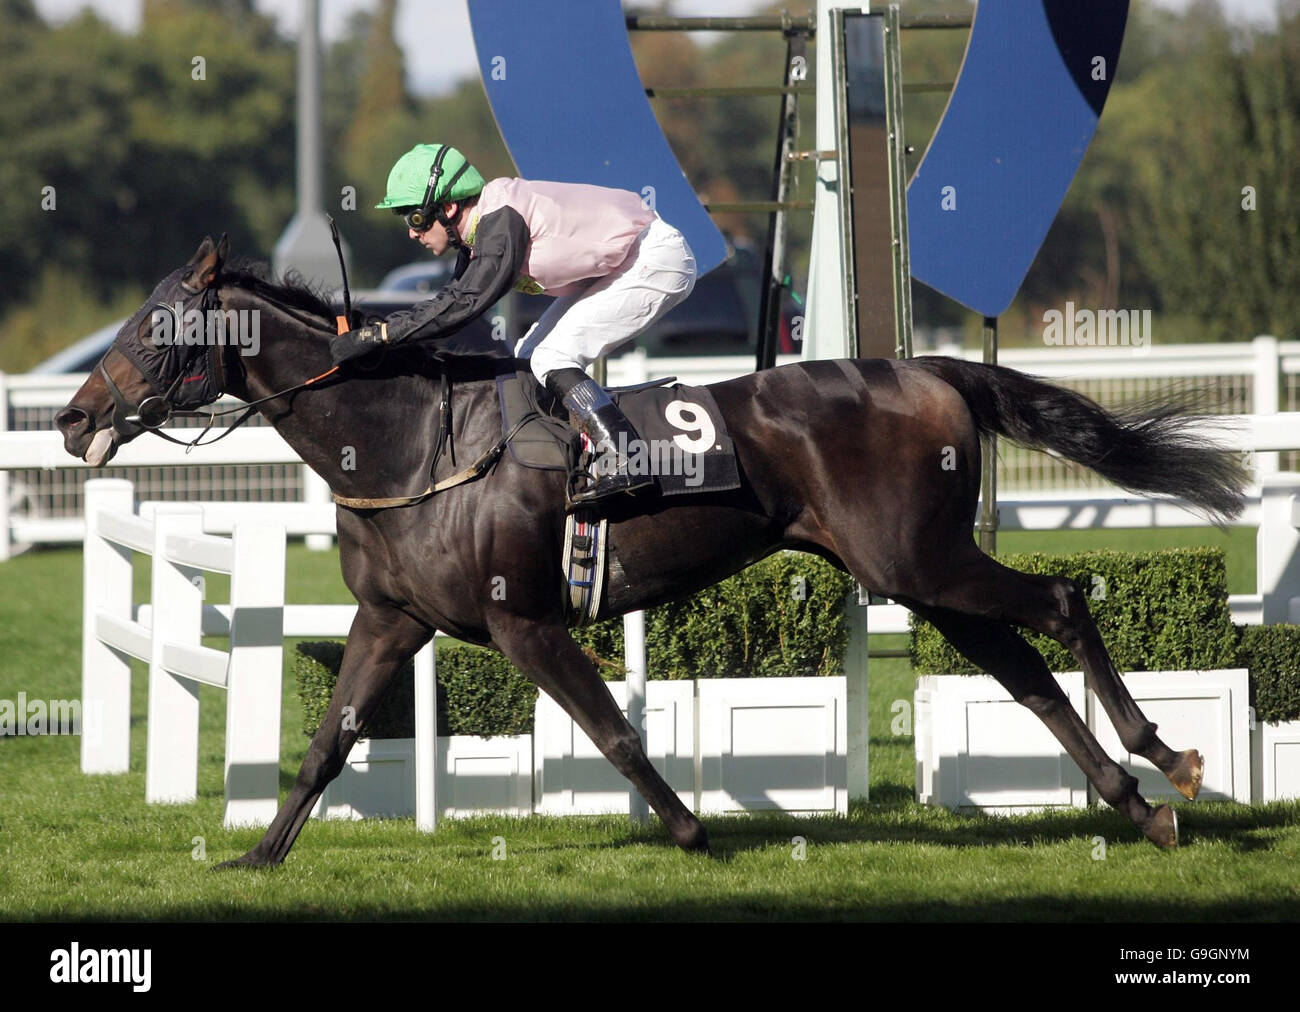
380 641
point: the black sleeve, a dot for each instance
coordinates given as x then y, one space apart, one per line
500 248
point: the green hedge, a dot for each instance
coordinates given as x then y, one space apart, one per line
479 692
781 617
1157 611
1272 655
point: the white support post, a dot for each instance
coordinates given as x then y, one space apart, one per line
637 366
1268 377
826 328
105 673
172 734
856 699
6 524
426 739
315 490
255 677
1277 546
634 659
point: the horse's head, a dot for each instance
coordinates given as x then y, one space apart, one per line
158 362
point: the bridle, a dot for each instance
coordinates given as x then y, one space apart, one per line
154 411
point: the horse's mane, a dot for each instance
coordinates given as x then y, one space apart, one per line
293 290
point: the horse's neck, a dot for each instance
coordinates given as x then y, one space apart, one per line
366 436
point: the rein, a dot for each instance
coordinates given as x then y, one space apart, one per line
131 420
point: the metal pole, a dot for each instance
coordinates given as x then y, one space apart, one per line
769 313
306 244
778 23
839 74
309 144
988 523
734 91
937 21
901 255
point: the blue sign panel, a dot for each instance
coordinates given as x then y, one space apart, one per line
1032 86
571 107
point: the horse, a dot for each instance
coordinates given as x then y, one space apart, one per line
873 465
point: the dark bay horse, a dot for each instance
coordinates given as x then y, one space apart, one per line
871 464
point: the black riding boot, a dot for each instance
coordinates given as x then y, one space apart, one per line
600 420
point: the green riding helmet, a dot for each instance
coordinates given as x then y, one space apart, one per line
409 181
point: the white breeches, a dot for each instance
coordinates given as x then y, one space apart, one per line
577 329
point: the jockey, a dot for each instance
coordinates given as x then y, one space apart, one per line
614 266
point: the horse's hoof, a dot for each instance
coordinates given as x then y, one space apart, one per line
1162 827
1189 772
697 842
247 861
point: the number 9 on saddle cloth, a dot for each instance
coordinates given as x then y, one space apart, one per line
684 443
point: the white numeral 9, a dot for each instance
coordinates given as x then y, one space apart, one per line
698 421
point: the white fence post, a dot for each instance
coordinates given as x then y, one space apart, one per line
1268 378
855 693
6 527
426 739
253 686
172 752
315 490
105 673
637 365
1277 559
634 659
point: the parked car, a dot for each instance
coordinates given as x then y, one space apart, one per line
425 277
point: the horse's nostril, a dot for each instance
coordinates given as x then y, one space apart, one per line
70 418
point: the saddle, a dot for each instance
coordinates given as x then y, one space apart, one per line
685 444
686 449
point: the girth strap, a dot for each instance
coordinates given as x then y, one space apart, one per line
475 470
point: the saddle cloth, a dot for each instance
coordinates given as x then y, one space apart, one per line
684 440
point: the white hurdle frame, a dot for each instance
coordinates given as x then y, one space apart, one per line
167 634
168 638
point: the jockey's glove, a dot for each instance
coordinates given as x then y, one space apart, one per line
355 343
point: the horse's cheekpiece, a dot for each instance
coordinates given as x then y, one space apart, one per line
684 443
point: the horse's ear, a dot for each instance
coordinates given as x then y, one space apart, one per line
206 263
205 248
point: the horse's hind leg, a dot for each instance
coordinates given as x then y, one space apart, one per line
1003 653
978 585
1078 633
549 656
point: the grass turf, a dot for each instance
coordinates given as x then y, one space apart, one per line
87 848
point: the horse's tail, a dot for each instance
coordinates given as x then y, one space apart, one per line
1154 447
